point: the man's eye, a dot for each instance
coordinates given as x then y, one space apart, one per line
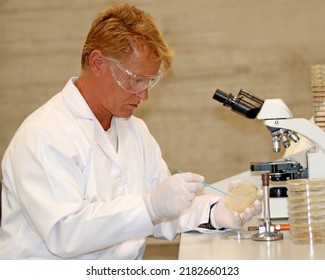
139 80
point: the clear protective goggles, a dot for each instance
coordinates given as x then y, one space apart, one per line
131 82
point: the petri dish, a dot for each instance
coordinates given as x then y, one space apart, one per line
246 194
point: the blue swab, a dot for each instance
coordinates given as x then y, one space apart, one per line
214 188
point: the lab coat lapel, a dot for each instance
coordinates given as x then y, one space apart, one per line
124 140
124 137
105 144
80 108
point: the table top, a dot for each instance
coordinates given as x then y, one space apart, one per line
238 245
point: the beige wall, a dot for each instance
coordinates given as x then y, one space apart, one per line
264 47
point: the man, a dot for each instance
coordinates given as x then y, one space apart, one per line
82 177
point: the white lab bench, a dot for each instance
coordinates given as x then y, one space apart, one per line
221 246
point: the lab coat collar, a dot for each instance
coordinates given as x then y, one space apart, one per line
80 108
75 101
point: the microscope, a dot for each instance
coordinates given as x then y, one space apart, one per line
278 119
309 163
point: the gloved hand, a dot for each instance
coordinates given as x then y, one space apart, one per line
222 217
173 195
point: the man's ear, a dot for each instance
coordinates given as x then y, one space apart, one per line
95 62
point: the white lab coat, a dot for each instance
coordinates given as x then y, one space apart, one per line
68 194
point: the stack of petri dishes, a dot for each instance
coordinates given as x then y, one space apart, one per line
306 209
318 91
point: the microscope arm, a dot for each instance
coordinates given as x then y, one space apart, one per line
276 116
302 126
315 157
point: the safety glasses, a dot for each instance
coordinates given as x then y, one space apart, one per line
131 82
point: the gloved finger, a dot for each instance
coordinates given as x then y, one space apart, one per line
233 185
188 196
194 187
247 215
191 177
257 207
238 223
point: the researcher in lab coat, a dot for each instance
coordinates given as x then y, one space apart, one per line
83 178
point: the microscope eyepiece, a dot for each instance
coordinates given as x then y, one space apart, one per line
223 97
244 104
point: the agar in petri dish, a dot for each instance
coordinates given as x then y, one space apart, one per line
246 194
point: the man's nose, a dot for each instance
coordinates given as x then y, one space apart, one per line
144 94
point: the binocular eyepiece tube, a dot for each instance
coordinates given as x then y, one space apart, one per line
244 103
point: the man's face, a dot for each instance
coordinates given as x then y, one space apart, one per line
114 98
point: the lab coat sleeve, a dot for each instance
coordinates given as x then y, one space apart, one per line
189 219
49 185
